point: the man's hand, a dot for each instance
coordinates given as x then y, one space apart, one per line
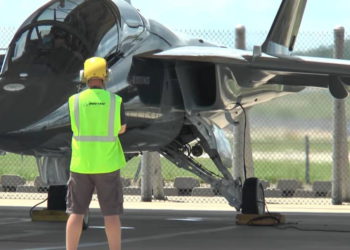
122 129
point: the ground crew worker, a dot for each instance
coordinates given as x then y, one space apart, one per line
97 117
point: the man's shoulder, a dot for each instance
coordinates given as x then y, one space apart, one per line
71 97
118 97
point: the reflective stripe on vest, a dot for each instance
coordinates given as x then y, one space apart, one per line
110 137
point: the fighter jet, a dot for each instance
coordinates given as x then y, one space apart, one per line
180 95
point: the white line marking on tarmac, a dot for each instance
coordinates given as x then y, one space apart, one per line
96 227
102 227
154 237
186 219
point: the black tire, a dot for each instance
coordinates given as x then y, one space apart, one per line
86 221
253 199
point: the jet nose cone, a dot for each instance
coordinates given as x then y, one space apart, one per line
16 104
25 101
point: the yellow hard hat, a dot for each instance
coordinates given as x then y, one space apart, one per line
94 67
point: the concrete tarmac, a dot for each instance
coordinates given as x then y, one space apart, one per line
163 229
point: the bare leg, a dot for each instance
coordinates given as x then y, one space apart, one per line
73 231
113 231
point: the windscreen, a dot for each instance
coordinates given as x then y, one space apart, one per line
65 33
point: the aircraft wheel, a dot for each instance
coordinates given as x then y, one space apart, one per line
86 221
253 198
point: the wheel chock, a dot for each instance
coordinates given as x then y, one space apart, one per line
49 215
267 219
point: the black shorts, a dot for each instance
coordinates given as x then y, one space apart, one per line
109 192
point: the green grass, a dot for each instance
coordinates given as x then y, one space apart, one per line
270 170
315 104
319 146
15 164
169 170
273 171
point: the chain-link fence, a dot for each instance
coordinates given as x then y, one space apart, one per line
291 141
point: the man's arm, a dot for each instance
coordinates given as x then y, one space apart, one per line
122 119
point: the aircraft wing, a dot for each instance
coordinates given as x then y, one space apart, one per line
289 70
201 54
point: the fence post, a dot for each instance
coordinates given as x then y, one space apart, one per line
242 156
307 160
158 185
146 176
240 37
340 186
238 141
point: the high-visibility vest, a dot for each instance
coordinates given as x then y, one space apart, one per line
95 122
